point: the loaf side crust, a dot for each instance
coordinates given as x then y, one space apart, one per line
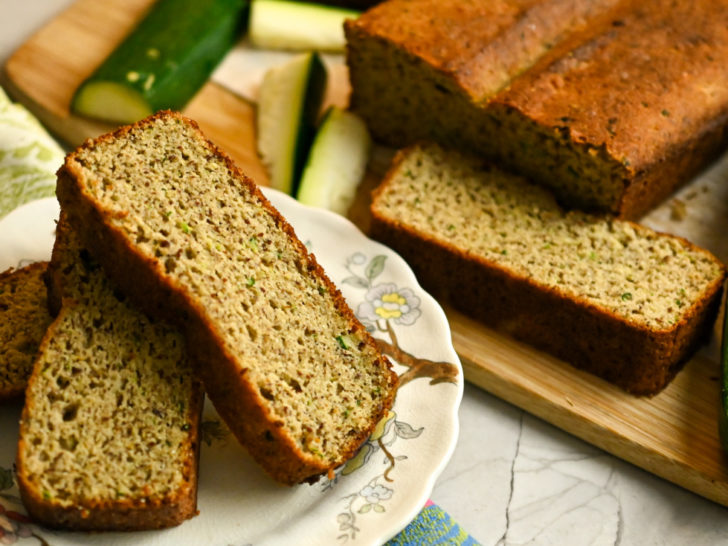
143 279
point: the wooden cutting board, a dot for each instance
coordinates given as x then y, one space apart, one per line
673 435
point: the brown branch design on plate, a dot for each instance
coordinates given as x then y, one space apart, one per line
386 304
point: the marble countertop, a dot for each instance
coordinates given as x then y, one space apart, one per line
514 479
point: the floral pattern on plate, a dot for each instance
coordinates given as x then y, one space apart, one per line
371 497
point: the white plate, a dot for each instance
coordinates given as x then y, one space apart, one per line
376 494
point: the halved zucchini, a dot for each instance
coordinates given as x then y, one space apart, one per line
163 62
336 163
280 24
288 106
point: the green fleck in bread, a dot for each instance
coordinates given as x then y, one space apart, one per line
612 119
24 318
109 431
187 236
609 296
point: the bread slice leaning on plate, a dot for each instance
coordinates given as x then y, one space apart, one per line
109 435
189 238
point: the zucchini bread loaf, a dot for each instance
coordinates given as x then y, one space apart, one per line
24 318
109 431
605 295
187 236
448 56
612 119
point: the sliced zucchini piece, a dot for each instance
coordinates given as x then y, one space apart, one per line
280 24
163 62
288 106
336 163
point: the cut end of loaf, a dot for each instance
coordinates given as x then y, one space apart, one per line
252 295
646 278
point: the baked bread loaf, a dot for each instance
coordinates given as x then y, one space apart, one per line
609 296
449 56
24 318
188 237
109 435
613 118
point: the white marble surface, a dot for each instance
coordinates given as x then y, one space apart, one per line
514 479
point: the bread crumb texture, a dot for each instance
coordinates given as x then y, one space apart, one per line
108 412
24 318
185 207
647 278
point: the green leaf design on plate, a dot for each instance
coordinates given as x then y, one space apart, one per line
358 282
405 430
375 267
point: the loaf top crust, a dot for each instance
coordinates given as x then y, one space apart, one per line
24 318
481 45
292 371
109 432
643 277
651 80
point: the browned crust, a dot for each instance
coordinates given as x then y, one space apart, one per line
640 360
644 92
650 186
118 515
647 82
480 46
144 280
17 390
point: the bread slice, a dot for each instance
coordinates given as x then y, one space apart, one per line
188 237
24 318
109 435
609 296
627 107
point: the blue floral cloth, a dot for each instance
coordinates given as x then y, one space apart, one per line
433 526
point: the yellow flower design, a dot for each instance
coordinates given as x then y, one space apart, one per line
391 306
388 302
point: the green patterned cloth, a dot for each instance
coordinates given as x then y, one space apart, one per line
29 157
433 526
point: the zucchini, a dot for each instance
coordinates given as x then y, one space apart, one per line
280 24
723 414
163 62
336 163
288 106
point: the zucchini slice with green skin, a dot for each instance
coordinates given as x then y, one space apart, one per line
336 163
280 24
723 414
164 61
289 103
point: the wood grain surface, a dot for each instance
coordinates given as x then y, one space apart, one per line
673 435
